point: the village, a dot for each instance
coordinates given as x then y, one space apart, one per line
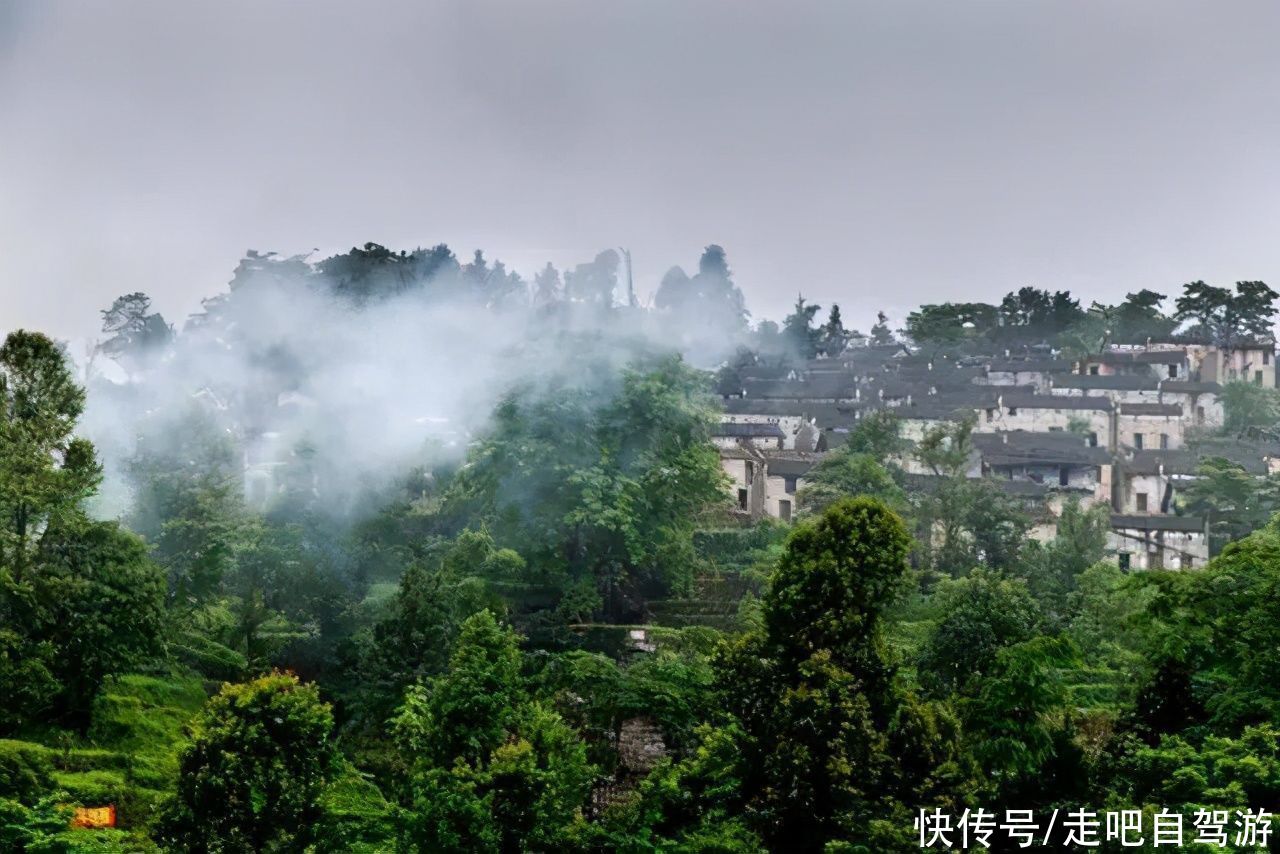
1125 427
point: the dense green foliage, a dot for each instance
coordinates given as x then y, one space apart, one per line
557 637
251 778
619 481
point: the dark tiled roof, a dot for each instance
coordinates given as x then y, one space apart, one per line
1019 366
1023 447
1160 357
1192 337
820 387
758 406
745 431
1189 387
1151 462
1140 357
929 411
1057 401
790 463
1167 409
1115 382
741 452
1025 489
1161 522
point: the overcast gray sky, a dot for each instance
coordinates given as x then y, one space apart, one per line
876 154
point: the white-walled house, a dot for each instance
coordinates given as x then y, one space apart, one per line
1149 426
1200 401
1121 388
1158 541
784 476
728 434
746 471
1044 413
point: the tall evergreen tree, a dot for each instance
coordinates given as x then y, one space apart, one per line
45 471
799 331
834 336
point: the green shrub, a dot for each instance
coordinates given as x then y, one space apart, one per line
209 657
356 817
91 759
26 770
136 806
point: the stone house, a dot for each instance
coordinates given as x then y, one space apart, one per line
1158 541
1154 426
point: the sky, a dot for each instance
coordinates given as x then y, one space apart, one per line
875 154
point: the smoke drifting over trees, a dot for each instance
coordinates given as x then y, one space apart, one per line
375 360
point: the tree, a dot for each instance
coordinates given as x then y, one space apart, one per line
821 733
1250 410
863 465
947 449
1030 314
364 274
881 334
1212 643
844 473
1233 501
1139 318
878 433
45 472
414 634
834 336
1105 612
799 332
951 324
35 829
1091 334
492 770
187 502
964 522
770 344
708 310
967 522
595 281
547 288
99 604
251 778
1185 775
136 335
1052 569
834 581
720 304
623 467
79 600
981 614
675 292
1016 736
29 691
1227 318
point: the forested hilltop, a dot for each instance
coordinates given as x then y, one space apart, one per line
396 552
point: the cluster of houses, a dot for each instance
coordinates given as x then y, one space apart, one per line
1113 428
